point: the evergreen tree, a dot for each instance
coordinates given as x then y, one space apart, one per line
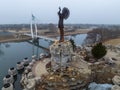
73 44
99 50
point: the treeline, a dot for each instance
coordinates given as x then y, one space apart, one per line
39 26
102 34
22 26
51 25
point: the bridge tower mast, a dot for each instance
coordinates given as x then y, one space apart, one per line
33 21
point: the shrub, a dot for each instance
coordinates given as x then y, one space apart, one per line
73 44
99 50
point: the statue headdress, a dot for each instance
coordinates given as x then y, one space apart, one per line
65 13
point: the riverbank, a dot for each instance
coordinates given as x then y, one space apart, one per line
14 38
11 53
4 39
67 33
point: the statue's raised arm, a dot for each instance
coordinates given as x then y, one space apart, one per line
62 15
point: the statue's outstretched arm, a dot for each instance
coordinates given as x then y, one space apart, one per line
59 8
59 11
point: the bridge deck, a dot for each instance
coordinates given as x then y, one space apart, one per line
42 37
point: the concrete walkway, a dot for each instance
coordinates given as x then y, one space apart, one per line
39 68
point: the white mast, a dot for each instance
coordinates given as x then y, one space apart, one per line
31 30
36 29
35 25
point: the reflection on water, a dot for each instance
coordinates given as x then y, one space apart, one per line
7 45
11 53
1 52
79 39
9 56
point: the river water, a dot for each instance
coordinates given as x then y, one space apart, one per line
11 53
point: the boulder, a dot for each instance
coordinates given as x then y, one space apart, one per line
12 71
115 87
31 84
116 80
8 79
7 86
20 65
37 80
30 75
94 86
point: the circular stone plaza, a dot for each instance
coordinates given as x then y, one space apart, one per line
61 71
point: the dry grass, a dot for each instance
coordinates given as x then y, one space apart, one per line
104 77
113 41
6 37
11 38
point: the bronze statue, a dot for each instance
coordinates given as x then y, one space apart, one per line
64 15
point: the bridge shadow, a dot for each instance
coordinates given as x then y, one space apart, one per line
35 42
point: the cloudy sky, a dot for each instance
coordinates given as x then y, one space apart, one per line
81 11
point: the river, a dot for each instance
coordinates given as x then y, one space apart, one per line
11 53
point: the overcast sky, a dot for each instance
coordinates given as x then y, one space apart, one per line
81 11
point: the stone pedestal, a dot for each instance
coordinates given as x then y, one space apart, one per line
61 53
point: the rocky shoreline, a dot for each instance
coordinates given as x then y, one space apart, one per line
77 73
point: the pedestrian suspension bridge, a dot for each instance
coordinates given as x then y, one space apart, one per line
34 33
